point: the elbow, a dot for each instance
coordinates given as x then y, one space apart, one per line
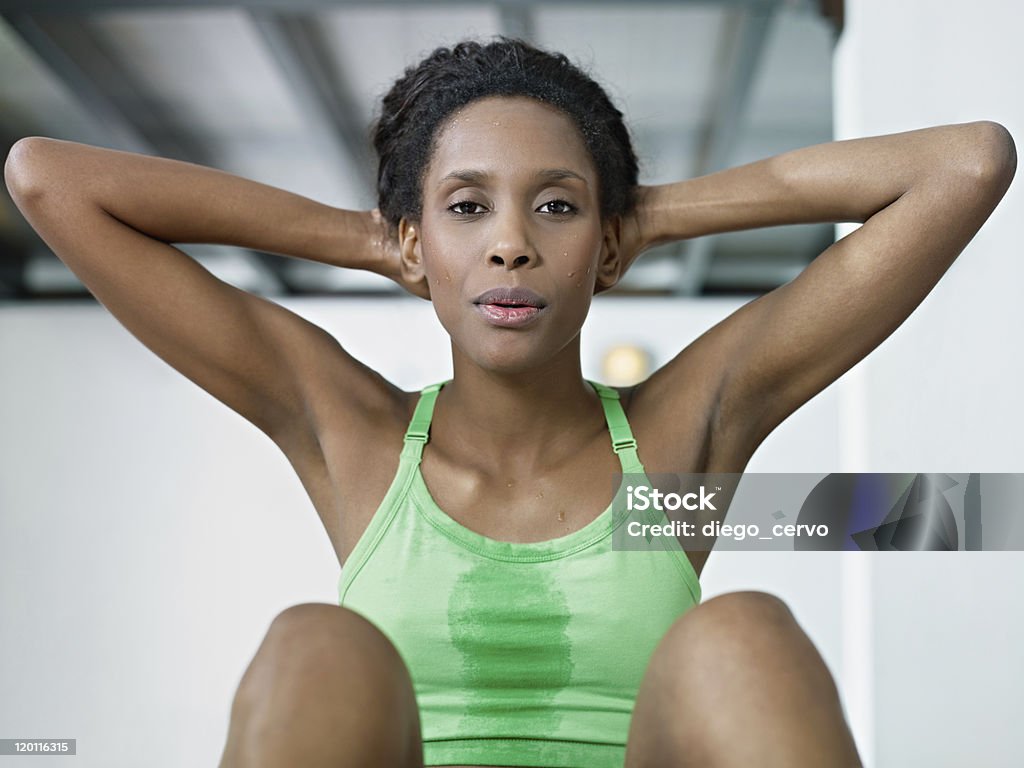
993 154
23 172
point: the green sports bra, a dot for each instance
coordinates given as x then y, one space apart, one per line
521 654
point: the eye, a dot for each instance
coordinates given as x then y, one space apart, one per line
558 208
466 208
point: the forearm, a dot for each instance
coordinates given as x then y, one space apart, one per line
179 202
841 181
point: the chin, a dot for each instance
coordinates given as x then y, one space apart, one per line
508 357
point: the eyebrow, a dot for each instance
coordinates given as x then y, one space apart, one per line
476 177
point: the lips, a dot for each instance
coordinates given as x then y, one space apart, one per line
511 297
509 307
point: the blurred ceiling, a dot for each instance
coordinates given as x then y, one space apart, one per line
283 91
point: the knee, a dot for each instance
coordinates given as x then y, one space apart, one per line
750 629
318 644
748 615
746 604
323 633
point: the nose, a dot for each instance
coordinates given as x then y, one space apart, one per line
511 244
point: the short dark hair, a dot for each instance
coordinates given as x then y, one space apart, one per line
450 78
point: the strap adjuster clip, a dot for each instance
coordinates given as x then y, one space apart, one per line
620 445
418 437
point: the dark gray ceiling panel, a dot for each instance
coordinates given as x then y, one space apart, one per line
283 91
89 6
743 51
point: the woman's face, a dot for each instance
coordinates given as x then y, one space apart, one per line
510 201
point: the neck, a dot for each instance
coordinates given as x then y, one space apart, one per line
524 420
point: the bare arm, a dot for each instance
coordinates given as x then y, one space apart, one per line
111 215
921 195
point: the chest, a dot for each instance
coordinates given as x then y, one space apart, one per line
518 505
524 505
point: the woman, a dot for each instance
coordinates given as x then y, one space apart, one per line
484 618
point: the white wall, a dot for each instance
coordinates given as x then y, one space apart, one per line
148 534
933 659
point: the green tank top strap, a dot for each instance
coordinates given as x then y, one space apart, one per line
419 426
623 442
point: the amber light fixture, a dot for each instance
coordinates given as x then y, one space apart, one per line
625 364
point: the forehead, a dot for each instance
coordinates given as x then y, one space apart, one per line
514 134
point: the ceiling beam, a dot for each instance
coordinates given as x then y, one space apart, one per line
134 121
81 80
744 45
331 109
517 21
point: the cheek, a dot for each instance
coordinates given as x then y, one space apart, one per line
580 255
564 253
444 276
440 276
436 255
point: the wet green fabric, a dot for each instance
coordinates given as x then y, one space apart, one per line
521 654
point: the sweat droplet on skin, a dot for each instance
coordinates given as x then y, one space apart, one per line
571 273
561 516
